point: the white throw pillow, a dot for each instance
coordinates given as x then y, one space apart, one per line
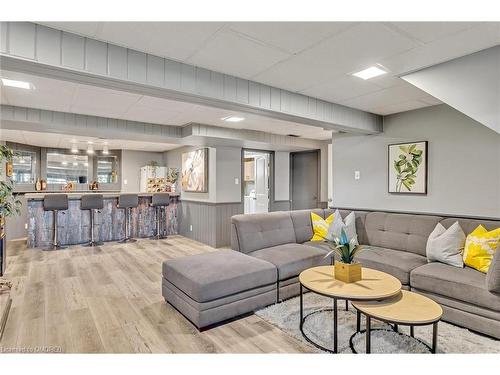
349 226
446 245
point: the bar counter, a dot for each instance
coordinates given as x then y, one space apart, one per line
109 224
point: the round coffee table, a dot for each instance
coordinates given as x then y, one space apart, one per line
375 285
405 308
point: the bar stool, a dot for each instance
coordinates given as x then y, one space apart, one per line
159 201
127 201
93 203
55 203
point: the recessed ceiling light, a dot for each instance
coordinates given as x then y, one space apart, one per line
233 119
75 164
370 72
74 149
17 84
90 149
64 162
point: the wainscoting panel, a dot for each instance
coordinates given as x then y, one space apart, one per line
196 221
280 206
223 213
209 223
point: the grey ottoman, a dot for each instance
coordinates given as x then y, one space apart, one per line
213 287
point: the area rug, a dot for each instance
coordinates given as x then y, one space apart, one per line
319 328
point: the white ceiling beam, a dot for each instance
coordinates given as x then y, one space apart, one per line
37 49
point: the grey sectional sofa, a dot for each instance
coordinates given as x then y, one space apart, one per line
394 243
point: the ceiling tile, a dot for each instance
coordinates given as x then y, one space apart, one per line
46 93
154 116
399 107
231 53
102 102
385 97
179 40
429 31
428 99
341 88
175 40
471 40
356 48
291 37
160 103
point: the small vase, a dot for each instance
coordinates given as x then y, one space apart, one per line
348 273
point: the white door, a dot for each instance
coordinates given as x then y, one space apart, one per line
261 184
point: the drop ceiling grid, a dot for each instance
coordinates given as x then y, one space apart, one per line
432 43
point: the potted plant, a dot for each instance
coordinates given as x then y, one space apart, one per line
9 204
346 269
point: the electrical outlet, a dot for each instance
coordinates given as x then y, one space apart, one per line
357 175
125 182
25 225
236 181
190 228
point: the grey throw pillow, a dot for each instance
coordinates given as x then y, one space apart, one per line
493 275
446 245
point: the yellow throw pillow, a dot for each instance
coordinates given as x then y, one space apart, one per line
480 246
320 226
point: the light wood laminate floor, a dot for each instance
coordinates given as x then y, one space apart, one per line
108 299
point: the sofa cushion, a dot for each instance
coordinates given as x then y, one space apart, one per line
302 224
395 262
206 277
446 245
259 231
468 225
406 232
493 275
319 245
291 259
464 284
360 221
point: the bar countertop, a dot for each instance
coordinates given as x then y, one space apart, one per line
78 194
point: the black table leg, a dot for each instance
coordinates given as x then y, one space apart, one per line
368 334
412 331
358 321
395 327
301 306
434 337
346 305
335 325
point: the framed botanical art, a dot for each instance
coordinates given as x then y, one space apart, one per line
195 171
408 168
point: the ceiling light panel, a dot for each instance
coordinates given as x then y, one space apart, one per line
371 72
16 84
233 119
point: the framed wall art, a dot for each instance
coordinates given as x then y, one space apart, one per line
407 166
195 171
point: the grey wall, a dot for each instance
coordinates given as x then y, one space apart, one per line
464 165
282 176
477 75
173 159
228 169
132 161
206 217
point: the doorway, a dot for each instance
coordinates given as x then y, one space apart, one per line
304 176
256 181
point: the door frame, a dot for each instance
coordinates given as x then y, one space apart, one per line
318 154
270 177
